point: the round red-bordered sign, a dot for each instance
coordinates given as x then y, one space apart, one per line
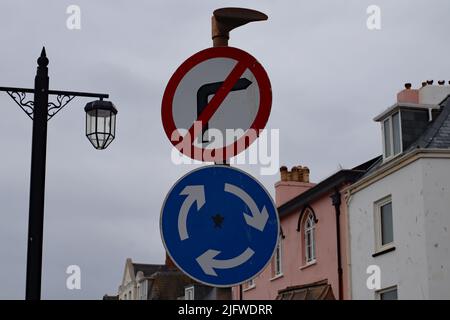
184 142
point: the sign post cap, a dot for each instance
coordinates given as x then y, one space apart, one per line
226 19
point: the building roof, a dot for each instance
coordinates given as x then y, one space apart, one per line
403 105
320 290
168 285
148 269
435 136
325 186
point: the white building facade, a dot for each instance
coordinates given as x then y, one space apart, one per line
399 213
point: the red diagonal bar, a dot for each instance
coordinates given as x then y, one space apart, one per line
218 98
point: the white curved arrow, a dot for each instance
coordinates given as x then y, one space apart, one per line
194 194
258 219
208 263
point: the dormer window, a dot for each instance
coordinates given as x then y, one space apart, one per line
392 142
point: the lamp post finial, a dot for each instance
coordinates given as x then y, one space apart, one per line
43 60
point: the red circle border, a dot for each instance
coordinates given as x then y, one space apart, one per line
265 102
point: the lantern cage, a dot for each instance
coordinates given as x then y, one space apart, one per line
100 123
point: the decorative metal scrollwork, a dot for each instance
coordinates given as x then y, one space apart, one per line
61 102
57 100
20 98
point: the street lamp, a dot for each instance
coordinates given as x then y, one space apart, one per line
100 123
100 113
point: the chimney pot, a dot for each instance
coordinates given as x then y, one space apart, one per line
300 173
297 174
424 83
408 85
294 174
430 82
283 173
441 82
306 174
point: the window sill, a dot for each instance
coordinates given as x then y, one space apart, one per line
383 251
276 277
249 288
391 158
309 264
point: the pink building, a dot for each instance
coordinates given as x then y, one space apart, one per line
310 261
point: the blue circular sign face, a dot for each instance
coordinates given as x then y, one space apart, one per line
219 225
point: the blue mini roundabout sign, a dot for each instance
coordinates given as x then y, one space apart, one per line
219 225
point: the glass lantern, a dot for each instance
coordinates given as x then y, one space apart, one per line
100 123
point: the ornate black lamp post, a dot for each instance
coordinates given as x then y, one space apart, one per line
100 129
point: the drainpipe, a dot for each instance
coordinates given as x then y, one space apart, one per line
336 201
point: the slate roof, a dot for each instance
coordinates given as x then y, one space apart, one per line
148 269
329 184
168 285
435 136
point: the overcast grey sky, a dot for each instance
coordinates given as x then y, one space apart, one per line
330 76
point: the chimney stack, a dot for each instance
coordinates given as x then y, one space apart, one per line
292 183
427 94
408 95
297 174
170 264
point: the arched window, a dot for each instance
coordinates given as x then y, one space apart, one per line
277 260
310 241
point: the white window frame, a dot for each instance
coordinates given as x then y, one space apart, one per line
379 247
391 136
278 267
250 284
310 229
378 293
189 293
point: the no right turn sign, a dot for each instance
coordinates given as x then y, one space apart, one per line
216 104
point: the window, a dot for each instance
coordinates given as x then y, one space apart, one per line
189 293
142 290
387 138
129 295
384 233
392 141
396 138
145 294
388 294
249 284
277 267
310 243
